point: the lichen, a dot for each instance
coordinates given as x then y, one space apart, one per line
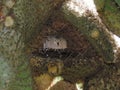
6 73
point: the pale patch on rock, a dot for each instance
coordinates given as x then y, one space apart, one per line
95 34
10 3
9 21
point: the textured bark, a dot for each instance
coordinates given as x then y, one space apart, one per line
101 41
28 16
107 79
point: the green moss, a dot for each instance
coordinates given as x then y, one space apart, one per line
99 4
85 26
111 16
6 73
29 16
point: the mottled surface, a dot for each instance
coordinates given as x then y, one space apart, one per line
88 25
110 15
108 79
28 19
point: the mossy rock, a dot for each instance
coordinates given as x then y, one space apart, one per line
111 16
